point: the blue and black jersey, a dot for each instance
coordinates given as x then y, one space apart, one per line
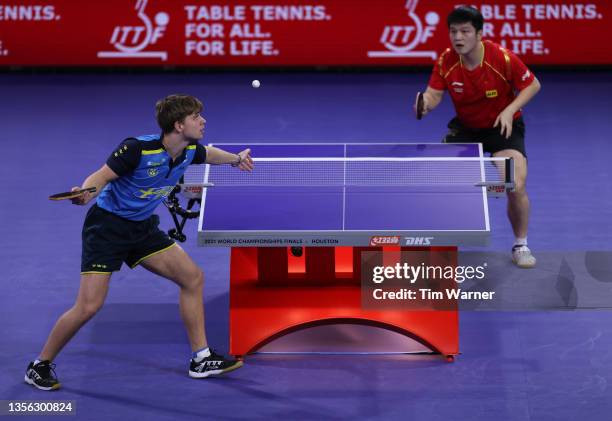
147 175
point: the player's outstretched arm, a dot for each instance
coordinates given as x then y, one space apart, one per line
217 156
98 179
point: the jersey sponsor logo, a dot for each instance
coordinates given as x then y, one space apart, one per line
418 241
154 192
382 240
491 93
457 87
155 164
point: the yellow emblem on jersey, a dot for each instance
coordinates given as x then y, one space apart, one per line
492 93
154 192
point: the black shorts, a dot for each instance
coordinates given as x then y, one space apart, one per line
492 140
109 240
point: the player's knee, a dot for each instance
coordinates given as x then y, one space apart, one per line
199 278
194 279
519 191
89 309
520 187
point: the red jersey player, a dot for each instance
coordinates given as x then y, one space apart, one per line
482 78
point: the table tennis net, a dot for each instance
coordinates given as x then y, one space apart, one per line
331 172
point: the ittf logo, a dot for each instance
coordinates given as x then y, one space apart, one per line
134 41
492 93
403 39
385 241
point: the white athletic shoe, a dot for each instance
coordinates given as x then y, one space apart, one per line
522 257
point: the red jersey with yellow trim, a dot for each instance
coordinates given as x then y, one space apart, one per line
479 95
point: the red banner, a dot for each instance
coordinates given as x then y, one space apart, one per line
289 32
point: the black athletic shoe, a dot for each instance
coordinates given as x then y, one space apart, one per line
213 365
42 376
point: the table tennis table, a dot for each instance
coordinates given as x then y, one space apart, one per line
331 202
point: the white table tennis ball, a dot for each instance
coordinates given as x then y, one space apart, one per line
255 84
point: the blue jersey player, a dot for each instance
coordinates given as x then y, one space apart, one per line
121 227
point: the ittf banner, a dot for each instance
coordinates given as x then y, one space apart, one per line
290 32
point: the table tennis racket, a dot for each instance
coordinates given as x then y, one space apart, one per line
71 194
420 106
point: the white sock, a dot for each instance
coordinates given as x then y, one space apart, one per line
36 361
520 241
201 354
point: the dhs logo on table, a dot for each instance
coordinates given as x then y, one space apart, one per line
418 241
380 240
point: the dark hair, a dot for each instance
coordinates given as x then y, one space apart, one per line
466 14
175 108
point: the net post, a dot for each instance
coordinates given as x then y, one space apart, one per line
509 175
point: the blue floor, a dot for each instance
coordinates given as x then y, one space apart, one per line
131 359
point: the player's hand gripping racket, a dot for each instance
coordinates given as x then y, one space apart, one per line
71 194
420 106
